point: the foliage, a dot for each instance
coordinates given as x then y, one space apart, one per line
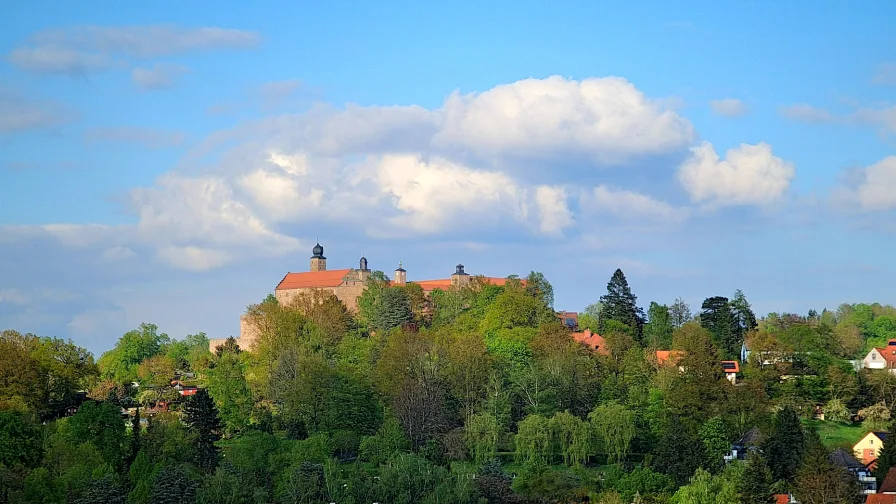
173 485
886 458
756 480
785 445
101 424
819 481
533 439
835 411
201 416
228 387
482 434
120 364
705 488
20 440
614 425
620 305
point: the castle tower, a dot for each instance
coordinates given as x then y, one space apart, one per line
401 276
459 278
362 268
318 261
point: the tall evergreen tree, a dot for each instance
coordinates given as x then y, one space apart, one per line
887 456
819 481
744 318
172 485
201 416
785 447
756 481
719 319
620 305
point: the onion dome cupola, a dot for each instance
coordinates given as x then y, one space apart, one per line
363 264
318 252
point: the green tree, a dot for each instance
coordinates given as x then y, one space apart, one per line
101 425
620 304
572 436
538 287
679 313
120 363
392 308
228 387
103 490
201 416
744 318
785 445
705 488
819 481
41 488
20 440
756 481
173 485
482 432
835 411
718 317
615 427
659 328
533 439
714 437
675 453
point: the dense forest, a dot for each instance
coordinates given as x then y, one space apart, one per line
471 395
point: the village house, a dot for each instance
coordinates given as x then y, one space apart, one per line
346 284
882 358
570 320
593 341
886 494
742 447
672 357
860 471
869 446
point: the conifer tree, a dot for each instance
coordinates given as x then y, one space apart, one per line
135 436
718 317
887 456
819 481
756 480
785 447
172 485
620 305
201 416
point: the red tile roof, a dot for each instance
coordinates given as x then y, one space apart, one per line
782 498
881 499
592 340
889 353
312 279
668 356
732 366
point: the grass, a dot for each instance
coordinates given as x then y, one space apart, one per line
836 434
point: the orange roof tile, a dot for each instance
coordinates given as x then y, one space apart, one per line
889 353
592 340
881 499
312 279
888 485
782 498
668 356
732 366
445 283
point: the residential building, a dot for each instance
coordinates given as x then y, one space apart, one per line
882 358
742 447
869 446
844 459
731 368
569 320
593 341
673 357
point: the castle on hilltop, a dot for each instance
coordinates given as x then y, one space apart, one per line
345 284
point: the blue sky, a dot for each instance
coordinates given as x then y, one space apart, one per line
170 162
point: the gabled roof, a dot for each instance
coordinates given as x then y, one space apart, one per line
750 438
888 353
592 340
668 356
882 435
880 498
312 279
842 458
889 483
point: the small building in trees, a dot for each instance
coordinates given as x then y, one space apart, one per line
593 341
869 447
743 446
570 320
860 471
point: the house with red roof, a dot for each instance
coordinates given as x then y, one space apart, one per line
593 341
882 358
672 357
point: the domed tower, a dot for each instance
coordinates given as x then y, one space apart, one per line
318 261
460 278
401 276
364 271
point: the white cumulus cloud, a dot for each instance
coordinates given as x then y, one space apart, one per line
630 205
607 120
553 210
875 189
749 175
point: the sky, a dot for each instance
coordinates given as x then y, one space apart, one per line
167 162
